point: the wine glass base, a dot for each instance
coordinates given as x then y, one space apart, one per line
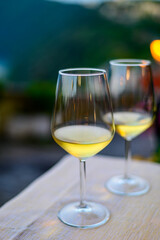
90 216
131 186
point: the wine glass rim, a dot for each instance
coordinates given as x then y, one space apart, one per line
91 72
130 62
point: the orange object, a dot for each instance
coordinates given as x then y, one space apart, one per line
155 49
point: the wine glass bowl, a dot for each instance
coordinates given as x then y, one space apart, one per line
82 99
132 94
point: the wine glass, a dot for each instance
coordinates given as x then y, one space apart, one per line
82 99
132 94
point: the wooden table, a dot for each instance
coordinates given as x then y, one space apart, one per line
32 215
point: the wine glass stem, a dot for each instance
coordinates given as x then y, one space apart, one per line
127 158
82 182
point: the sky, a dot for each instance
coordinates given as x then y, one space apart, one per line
77 1
96 2
80 1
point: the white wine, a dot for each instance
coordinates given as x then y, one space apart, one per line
130 124
82 141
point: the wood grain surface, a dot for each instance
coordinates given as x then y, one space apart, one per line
32 215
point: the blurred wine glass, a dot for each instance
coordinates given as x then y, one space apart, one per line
132 94
82 99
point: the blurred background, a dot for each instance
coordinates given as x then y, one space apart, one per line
37 38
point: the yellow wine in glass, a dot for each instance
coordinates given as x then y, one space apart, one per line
83 141
133 101
82 99
130 124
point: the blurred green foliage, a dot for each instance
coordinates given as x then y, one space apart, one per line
42 95
44 89
60 36
52 36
